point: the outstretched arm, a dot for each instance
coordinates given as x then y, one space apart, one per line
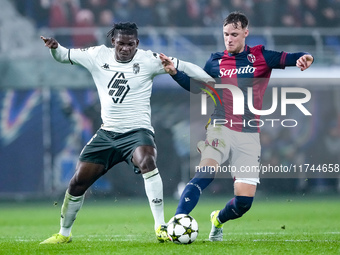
192 70
58 52
304 62
189 76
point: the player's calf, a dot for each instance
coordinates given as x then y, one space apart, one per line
193 190
235 208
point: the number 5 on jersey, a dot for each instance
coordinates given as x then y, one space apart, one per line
118 87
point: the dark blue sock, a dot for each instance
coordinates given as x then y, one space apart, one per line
193 190
235 208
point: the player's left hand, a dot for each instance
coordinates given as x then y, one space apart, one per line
167 64
50 42
304 62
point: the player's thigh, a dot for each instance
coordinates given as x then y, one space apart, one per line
138 149
87 173
216 145
245 157
102 149
209 162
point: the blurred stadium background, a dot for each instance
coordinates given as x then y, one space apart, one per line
48 111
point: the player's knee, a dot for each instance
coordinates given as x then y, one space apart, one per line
76 188
147 163
80 183
243 204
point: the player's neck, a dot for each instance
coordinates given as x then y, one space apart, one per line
125 61
238 52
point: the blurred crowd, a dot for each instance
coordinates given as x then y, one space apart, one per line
180 13
90 14
315 143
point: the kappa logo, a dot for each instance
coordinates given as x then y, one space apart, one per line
105 66
251 58
157 200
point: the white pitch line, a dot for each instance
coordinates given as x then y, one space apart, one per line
312 240
292 241
282 233
226 240
127 238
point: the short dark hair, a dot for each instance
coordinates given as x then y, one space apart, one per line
126 28
235 17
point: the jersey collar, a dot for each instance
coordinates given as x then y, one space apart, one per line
245 49
127 61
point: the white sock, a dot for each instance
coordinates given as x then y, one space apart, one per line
69 211
154 191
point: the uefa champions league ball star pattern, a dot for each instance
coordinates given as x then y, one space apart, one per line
182 229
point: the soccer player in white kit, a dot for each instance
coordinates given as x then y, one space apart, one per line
123 76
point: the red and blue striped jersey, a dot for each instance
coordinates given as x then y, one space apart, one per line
250 68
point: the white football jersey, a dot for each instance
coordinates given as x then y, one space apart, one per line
124 88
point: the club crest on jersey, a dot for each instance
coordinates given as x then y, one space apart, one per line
251 58
136 68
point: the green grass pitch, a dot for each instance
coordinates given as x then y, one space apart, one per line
273 226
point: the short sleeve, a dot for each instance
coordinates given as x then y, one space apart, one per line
274 59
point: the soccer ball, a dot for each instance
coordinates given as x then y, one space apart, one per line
182 229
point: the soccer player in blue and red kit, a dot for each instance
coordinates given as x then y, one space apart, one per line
236 139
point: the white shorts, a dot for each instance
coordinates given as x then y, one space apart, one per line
242 149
